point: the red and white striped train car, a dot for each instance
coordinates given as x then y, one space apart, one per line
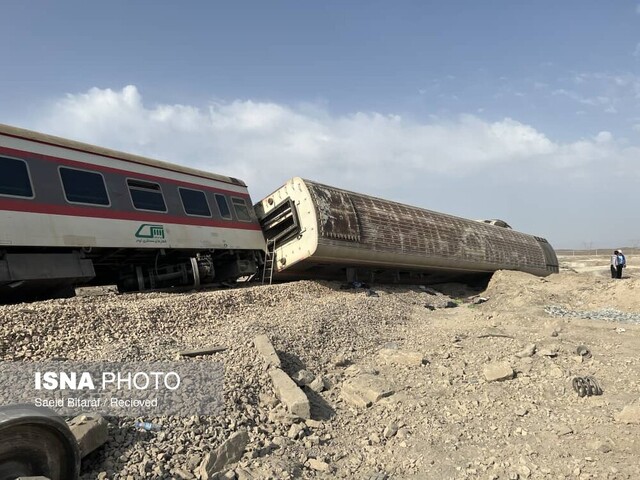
74 213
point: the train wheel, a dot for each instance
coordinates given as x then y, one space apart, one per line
36 442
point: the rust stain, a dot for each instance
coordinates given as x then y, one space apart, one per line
336 213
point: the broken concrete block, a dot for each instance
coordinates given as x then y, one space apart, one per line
229 452
400 357
265 348
290 394
498 371
90 431
366 389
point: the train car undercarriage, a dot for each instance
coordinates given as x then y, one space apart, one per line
33 274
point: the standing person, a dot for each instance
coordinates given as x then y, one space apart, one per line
622 262
614 264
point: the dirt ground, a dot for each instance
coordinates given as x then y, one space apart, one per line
441 418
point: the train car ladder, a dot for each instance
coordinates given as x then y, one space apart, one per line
269 262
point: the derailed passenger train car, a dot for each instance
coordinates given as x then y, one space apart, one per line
317 231
72 213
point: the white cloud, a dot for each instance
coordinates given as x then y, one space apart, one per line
603 137
420 162
260 136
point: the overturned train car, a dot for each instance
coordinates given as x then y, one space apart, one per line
317 231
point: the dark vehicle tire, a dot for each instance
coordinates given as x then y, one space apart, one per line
36 442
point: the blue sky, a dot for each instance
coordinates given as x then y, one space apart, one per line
527 111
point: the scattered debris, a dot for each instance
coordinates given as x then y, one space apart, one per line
583 351
90 431
494 332
515 429
479 300
208 350
586 386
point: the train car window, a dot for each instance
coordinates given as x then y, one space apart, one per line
194 202
82 186
242 211
146 196
15 181
223 206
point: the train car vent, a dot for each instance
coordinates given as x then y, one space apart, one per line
281 224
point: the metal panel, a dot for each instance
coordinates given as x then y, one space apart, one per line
385 233
45 266
336 213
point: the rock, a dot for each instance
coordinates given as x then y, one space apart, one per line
355 370
390 430
318 465
319 384
630 414
450 304
548 352
556 372
303 377
266 350
498 371
400 357
290 394
229 452
562 430
365 389
183 474
340 361
527 351
599 446
90 432
267 400
296 431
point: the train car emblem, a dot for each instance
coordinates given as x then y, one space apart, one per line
148 232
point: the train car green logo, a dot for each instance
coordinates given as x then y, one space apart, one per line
149 232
